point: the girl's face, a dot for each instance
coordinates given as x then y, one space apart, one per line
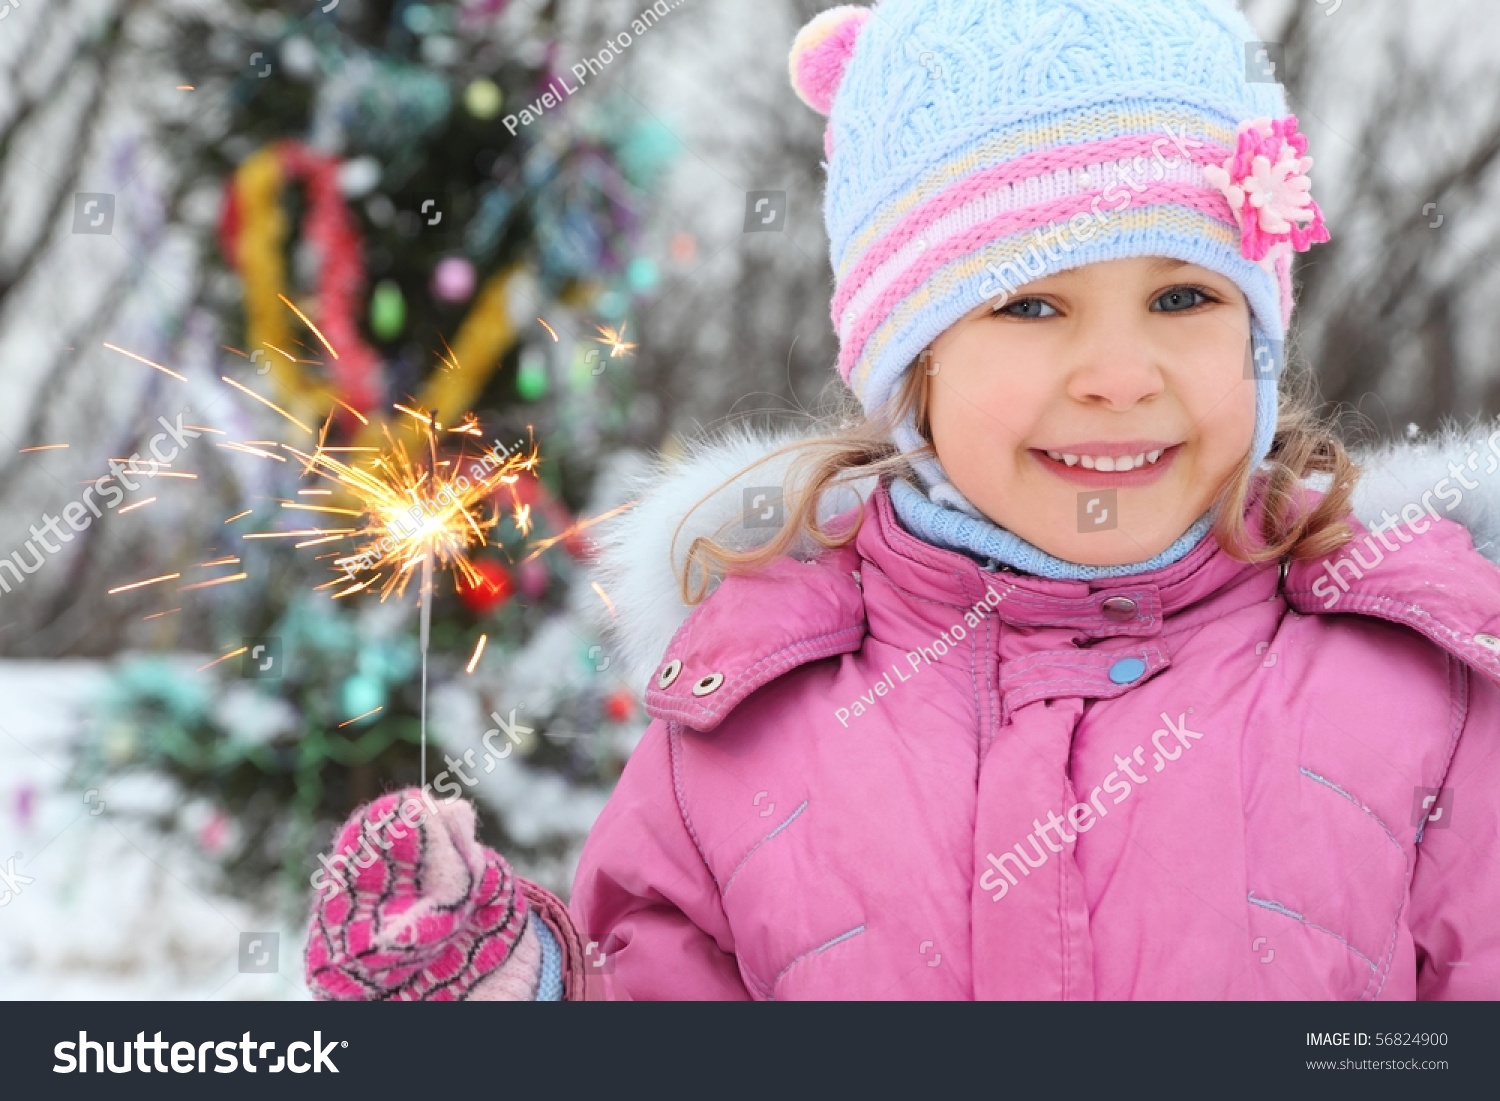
1097 412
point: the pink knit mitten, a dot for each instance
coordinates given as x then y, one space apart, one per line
412 907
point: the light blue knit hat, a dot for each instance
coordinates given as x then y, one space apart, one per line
976 145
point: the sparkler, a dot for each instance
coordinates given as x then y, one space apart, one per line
410 517
413 516
615 341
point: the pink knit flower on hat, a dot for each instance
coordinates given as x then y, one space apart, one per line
1268 190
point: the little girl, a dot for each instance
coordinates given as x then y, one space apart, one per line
1070 670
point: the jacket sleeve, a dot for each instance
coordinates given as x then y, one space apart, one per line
1455 892
645 896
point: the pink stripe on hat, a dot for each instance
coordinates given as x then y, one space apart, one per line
1112 178
1038 165
996 229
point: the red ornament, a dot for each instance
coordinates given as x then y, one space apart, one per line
492 590
620 705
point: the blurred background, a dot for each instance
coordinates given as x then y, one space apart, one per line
541 212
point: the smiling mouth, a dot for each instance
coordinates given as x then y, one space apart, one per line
1107 462
1096 471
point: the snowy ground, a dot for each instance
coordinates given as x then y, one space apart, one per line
95 904
111 909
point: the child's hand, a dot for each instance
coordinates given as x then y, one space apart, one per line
417 909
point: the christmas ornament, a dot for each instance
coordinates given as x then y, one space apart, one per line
362 694
482 98
619 705
531 374
490 590
387 310
453 279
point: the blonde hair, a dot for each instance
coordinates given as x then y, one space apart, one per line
1304 445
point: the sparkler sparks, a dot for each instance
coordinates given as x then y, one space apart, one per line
267 402
573 529
215 581
141 584
478 650
450 363
415 513
147 362
614 340
412 511
308 322
231 445
225 657
604 596
408 517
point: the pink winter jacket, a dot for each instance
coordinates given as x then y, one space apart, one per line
888 773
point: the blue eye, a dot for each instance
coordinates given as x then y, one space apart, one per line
1024 307
1179 299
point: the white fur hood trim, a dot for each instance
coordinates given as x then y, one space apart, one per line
638 566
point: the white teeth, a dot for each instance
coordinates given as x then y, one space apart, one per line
1107 462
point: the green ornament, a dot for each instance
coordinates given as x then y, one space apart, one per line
419 19
362 694
387 310
531 374
642 274
483 98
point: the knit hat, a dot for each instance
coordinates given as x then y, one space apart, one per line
976 145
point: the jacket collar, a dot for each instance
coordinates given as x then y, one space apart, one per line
732 645
639 553
1426 576
1136 605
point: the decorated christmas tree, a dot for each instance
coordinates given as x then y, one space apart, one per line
398 255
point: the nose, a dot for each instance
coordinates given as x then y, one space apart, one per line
1115 367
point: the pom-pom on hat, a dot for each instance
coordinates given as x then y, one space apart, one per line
977 145
819 55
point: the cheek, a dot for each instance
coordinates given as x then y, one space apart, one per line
1225 416
976 427
979 399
